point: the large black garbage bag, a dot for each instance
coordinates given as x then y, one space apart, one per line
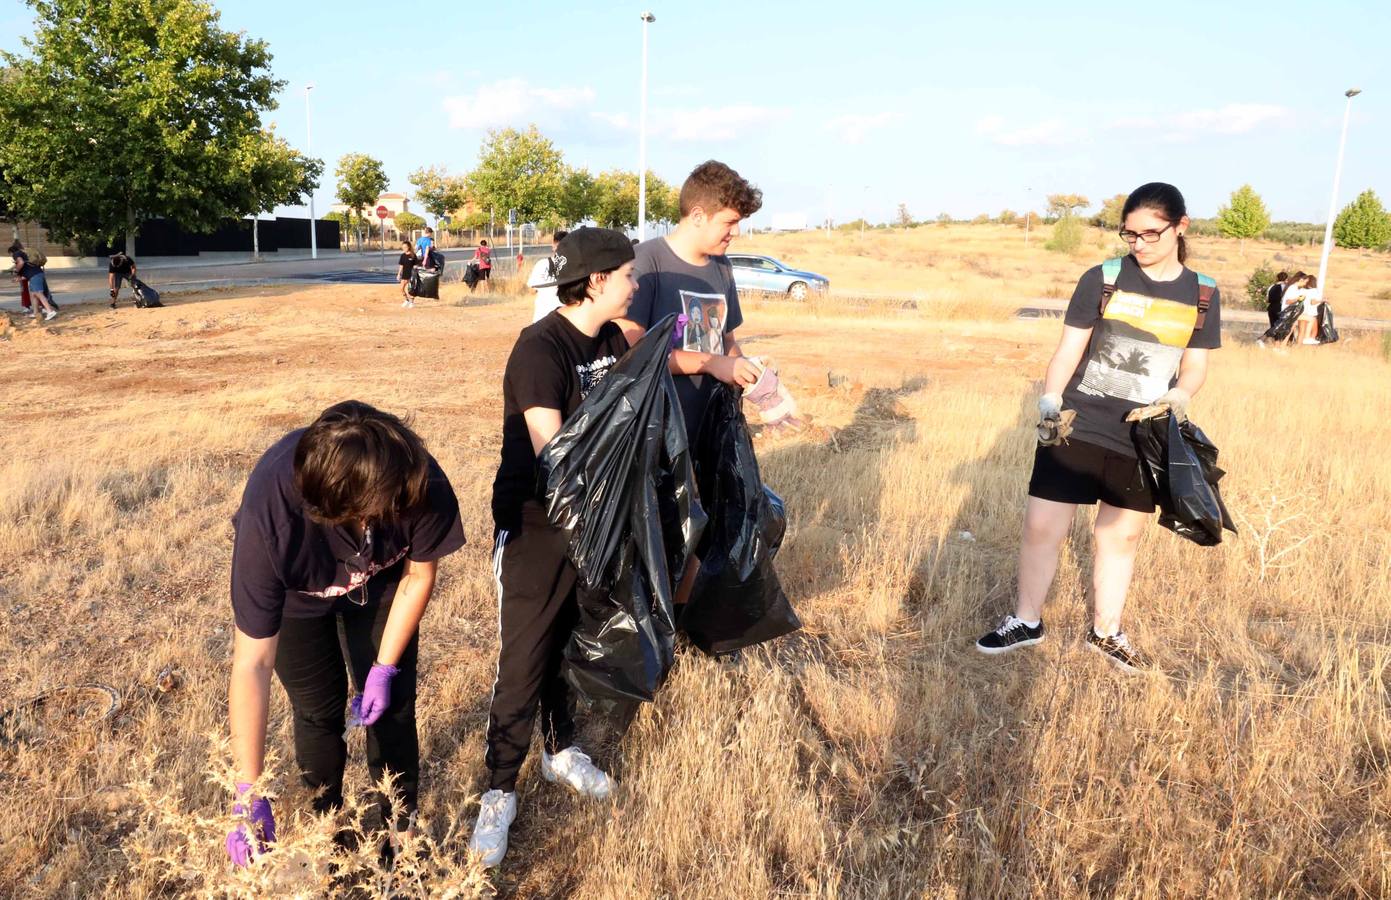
471 276
1328 334
425 283
146 297
1284 324
1180 464
619 482
737 600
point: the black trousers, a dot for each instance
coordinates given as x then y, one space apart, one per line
536 613
313 660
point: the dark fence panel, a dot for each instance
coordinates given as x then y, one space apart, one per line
164 237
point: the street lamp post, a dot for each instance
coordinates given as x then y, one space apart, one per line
647 19
1028 213
1333 201
308 151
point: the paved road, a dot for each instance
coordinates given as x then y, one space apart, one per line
89 285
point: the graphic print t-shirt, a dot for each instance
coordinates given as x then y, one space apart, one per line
286 565
668 285
1135 348
407 262
554 365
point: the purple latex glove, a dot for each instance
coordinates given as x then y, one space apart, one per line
261 821
678 334
376 694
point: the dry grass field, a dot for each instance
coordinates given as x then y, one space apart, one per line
958 265
873 755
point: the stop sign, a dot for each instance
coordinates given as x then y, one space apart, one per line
381 212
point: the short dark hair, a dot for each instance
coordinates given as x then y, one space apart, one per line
359 464
16 247
714 186
1282 276
559 235
429 230
576 292
483 243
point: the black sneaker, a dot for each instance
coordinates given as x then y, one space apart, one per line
1118 650
1011 635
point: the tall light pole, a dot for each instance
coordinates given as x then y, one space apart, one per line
309 151
1028 213
1333 201
647 19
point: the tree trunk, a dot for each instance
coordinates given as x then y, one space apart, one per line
255 237
130 232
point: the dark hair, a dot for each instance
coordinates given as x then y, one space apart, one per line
408 245
359 464
483 243
1297 276
429 230
714 186
576 292
1164 199
1282 276
16 247
1311 281
559 235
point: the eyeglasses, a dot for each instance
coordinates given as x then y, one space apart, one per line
360 564
1149 237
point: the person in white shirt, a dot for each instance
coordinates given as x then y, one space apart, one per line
542 280
1308 327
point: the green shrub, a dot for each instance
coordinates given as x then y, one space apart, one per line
1258 284
1067 235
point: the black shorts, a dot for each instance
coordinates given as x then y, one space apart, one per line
1082 473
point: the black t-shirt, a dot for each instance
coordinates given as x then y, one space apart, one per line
705 294
125 266
554 365
286 565
26 268
1135 349
1274 294
407 262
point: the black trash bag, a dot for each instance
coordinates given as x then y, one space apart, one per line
1328 333
146 297
1284 324
619 483
425 283
1180 464
737 600
471 276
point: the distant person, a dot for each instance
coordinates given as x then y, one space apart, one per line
119 267
542 280
483 262
1137 333
24 300
1274 295
405 265
1311 297
337 542
424 244
555 363
32 274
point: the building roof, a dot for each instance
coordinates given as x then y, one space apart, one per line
392 197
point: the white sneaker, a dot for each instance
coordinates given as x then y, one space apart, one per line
573 767
51 314
495 815
407 304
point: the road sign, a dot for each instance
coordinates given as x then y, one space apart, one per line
382 212
512 217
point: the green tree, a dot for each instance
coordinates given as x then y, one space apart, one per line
408 222
519 170
276 174
577 198
1244 216
127 110
905 218
348 222
1007 217
439 192
361 180
663 200
1363 223
1067 235
615 202
1062 206
982 219
1110 215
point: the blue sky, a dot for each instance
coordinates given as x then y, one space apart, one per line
842 108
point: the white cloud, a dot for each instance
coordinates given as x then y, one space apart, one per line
853 128
514 101
712 123
1234 118
1052 132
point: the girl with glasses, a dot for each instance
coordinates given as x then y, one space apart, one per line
338 536
1137 333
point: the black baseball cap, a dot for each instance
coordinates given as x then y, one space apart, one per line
587 251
